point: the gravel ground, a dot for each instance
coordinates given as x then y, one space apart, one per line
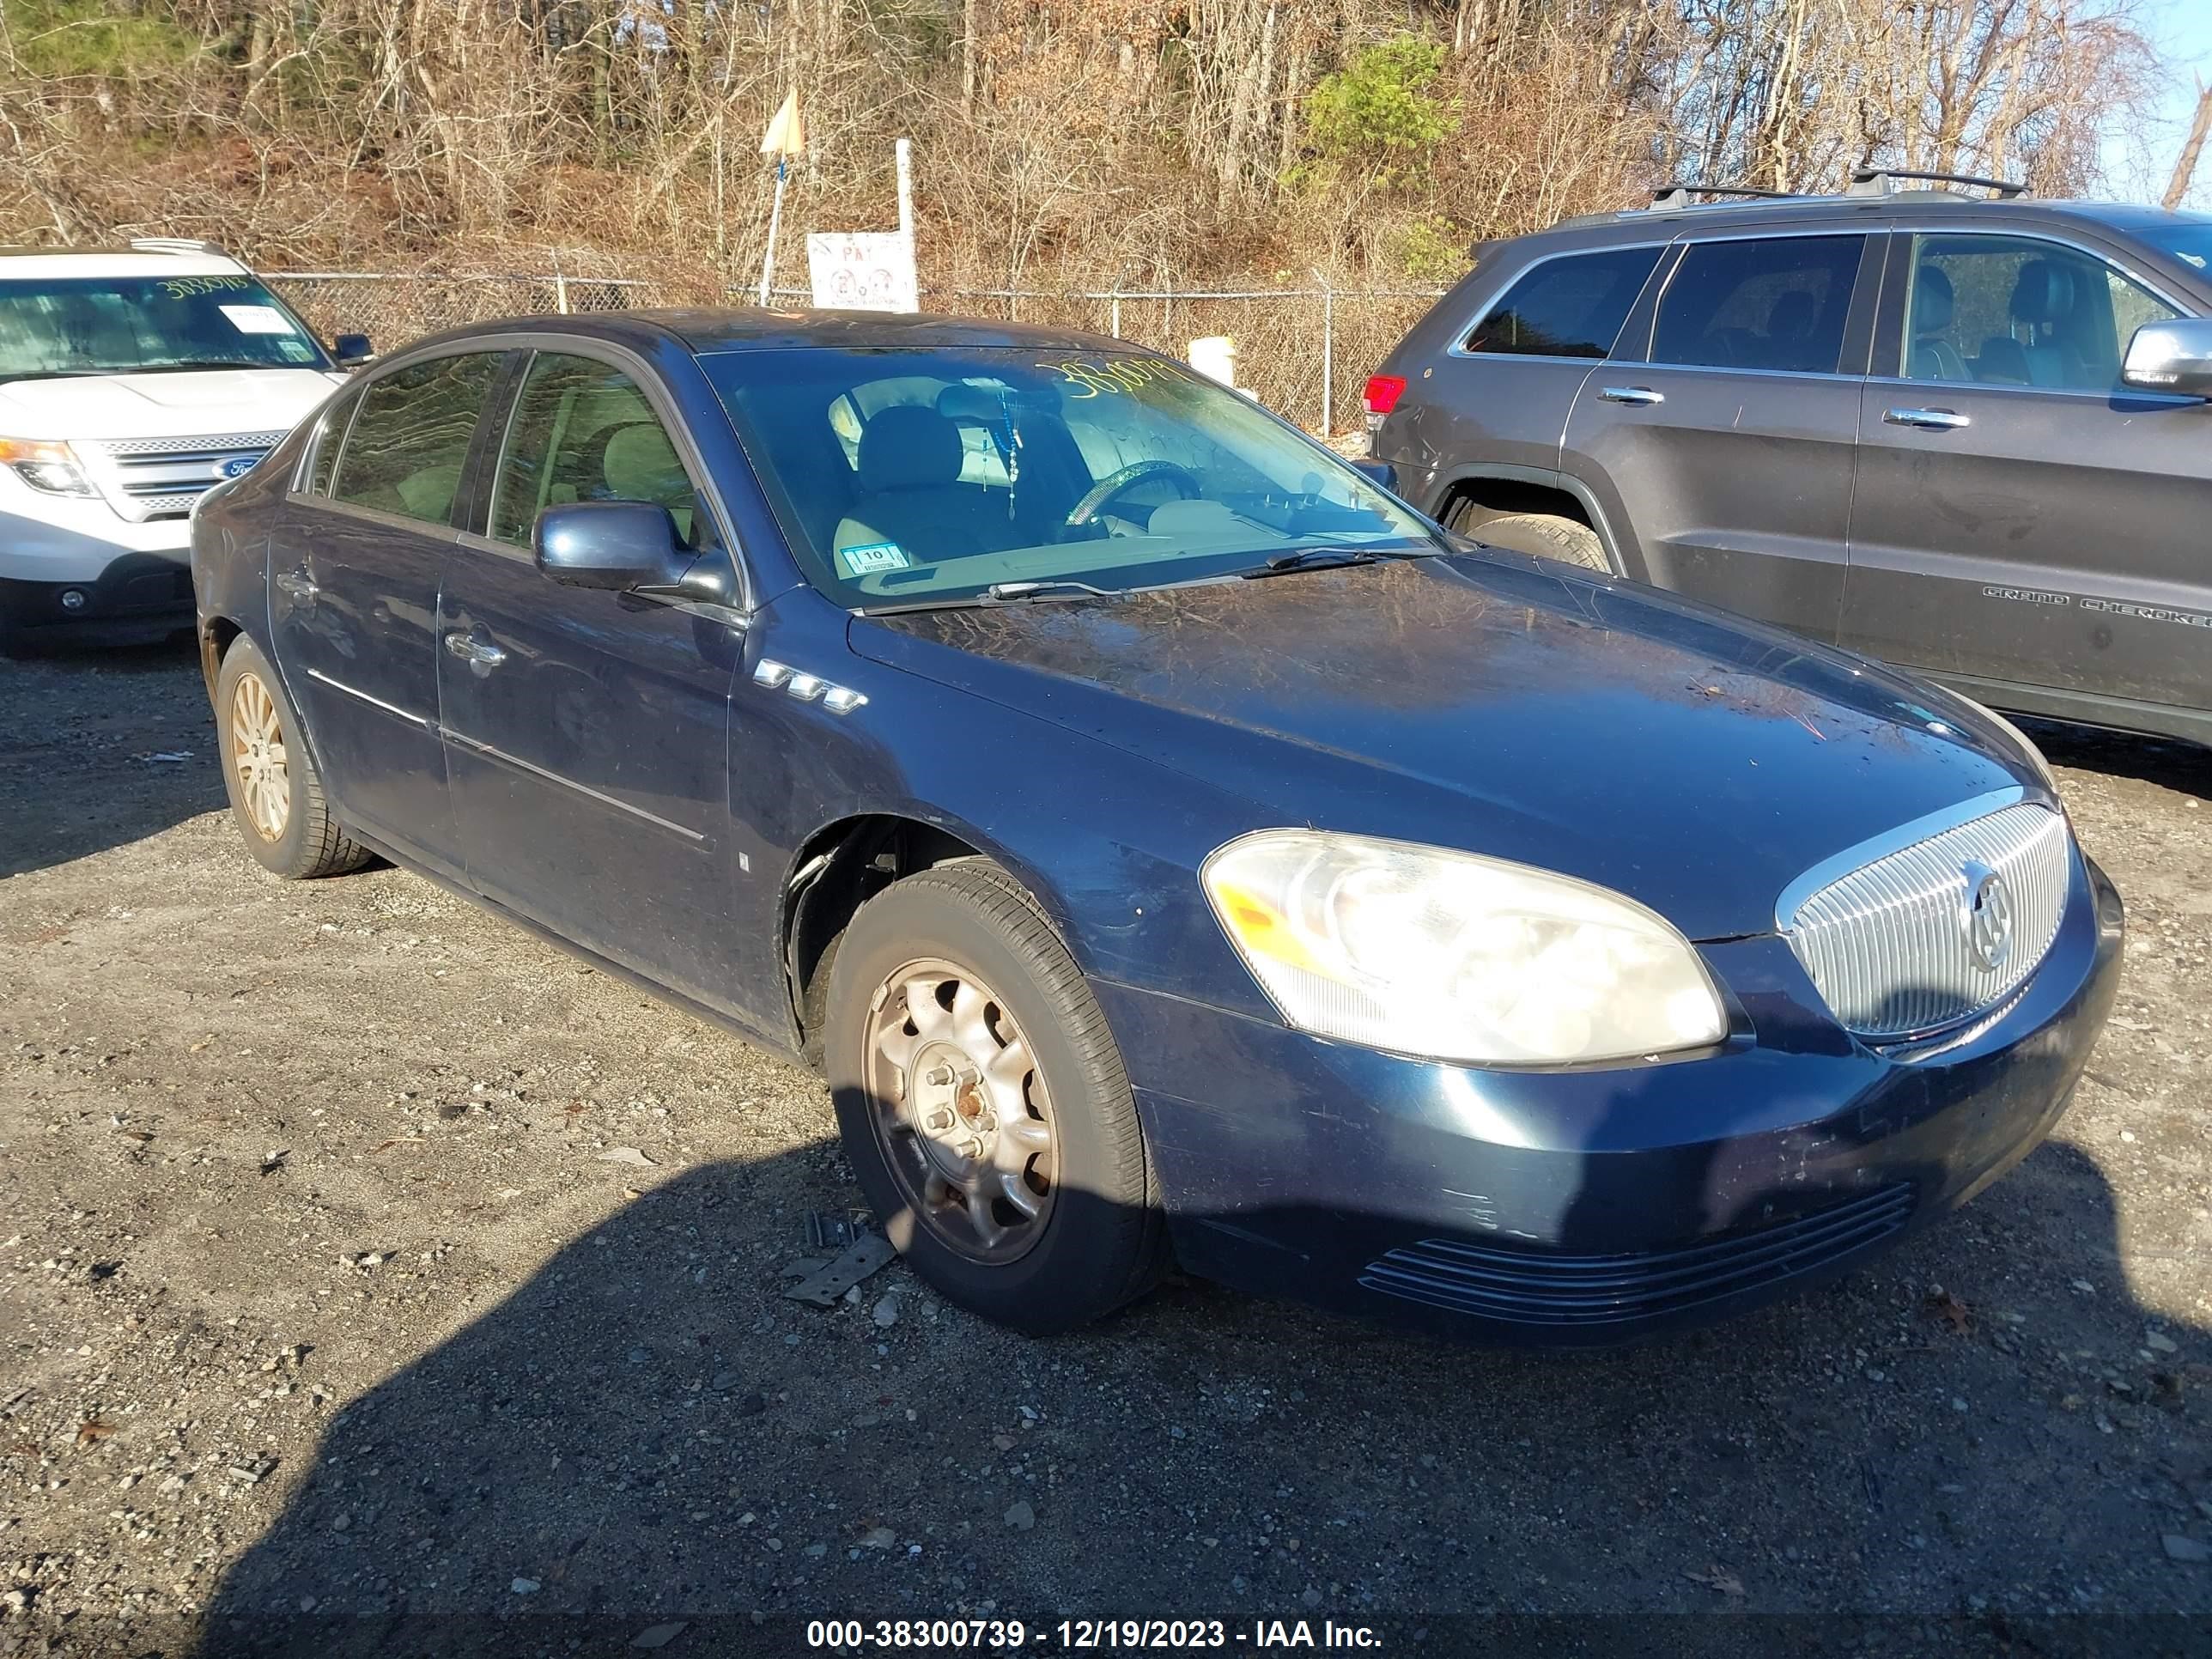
360 1256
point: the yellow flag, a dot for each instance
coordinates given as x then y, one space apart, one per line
787 133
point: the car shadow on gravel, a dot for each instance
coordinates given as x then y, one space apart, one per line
645 1433
2170 765
100 746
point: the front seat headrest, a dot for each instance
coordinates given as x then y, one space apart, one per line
2042 293
1931 302
639 464
906 446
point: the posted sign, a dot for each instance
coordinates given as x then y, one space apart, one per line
863 270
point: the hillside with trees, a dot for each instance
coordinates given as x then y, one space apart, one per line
1058 141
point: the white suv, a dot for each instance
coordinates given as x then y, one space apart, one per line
131 382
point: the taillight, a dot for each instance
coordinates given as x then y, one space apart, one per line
1382 392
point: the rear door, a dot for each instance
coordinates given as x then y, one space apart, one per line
586 730
2020 517
355 561
1719 445
1501 389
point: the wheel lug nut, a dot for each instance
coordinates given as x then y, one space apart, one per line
939 1076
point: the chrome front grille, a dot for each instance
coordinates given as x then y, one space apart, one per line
145 478
1898 946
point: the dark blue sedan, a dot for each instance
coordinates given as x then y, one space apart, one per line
1167 842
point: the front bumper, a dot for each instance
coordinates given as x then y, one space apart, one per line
1592 1205
129 589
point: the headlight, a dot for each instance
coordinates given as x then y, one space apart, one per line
49 468
1448 955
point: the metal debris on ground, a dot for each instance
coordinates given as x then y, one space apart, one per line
868 1253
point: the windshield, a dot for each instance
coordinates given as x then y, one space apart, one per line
135 324
919 476
2189 241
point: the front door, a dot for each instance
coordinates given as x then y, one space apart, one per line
2021 518
586 730
1723 458
355 561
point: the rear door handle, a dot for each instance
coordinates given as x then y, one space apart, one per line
300 585
482 653
1640 395
1927 420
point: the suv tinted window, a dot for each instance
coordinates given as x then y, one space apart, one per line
583 432
408 445
2018 311
1571 306
1775 303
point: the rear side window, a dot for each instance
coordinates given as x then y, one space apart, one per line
405 452
1571 306
1772 303
583 432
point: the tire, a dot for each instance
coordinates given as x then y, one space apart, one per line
1545 535
967 939
276 793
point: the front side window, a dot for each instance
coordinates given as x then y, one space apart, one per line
1776 303
329 437
1571 307
52 328
928 476
583 431
409 445
2019 311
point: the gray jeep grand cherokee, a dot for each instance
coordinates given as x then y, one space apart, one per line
1964 434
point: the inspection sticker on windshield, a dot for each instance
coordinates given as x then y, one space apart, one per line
869 557
257 319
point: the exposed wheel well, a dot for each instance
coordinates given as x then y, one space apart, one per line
1490 497
840 867
215 639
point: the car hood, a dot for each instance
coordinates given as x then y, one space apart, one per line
1695 761
187 404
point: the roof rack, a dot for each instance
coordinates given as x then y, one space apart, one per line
1669 197
1880 181
175 245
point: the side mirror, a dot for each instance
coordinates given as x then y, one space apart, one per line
352 350
2173 356
622 545
1380 473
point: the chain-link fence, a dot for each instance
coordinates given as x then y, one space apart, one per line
1305 353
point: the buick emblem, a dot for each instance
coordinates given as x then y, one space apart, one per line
1987 917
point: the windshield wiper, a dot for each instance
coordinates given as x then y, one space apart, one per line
1313 558
196 364
58 375
1004 593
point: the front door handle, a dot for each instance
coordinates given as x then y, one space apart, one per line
482 653
1641 396
1927 420
300 585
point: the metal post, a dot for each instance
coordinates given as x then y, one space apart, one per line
904 151
1328 354
560 289
1116 315
774 222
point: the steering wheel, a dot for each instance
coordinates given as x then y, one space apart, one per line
1085 511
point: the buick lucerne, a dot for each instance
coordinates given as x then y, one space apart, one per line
1169 844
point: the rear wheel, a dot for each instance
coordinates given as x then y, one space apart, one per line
276 793
1546 535
984 1106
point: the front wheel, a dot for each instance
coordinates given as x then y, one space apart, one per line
276 793
984 1106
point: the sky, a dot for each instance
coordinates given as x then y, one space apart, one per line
2184 29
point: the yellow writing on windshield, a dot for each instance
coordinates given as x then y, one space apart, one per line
1122 374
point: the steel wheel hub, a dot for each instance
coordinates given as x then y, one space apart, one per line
258 757
961 1112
